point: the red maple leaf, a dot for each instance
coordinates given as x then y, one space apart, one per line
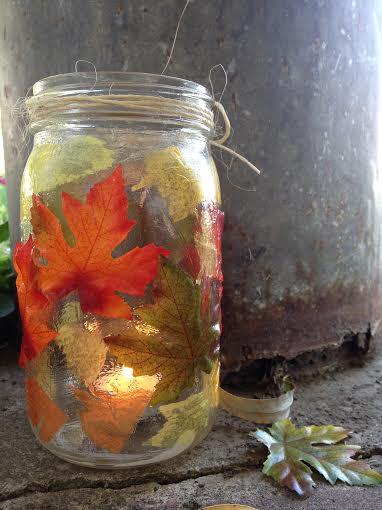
34 306
98 226
206 252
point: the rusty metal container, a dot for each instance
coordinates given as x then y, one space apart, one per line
307 274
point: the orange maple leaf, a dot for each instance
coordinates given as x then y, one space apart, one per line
110 420
43 412
34 306
98 226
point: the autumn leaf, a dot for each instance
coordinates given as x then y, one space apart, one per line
202 258
85 351
170 338
208 241
34 306
40 370
175 181
98 226
43 412
51 165
185 419
208 234
292 448
81 340
109 419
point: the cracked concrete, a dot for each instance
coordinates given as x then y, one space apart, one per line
224 468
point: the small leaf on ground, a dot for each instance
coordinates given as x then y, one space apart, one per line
292 448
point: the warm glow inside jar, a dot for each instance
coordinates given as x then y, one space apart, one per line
119 269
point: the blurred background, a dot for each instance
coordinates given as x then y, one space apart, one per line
301 253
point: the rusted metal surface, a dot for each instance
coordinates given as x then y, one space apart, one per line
298 324
301 256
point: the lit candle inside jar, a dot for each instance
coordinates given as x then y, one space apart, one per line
115 406
122 381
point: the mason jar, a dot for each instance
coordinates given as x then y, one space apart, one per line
119 267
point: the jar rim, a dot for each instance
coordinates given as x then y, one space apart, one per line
129 96
117 81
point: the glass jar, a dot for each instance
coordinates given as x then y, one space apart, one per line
119 269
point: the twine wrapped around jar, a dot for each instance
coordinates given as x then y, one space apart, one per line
134 106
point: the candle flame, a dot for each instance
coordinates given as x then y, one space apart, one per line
123 382
127 373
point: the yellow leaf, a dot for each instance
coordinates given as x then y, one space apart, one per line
80 339
228 506
185 419
178 183
40 370
85 351
53 164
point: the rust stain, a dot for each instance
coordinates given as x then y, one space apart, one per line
296 324
308 276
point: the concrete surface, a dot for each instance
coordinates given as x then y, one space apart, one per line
225 467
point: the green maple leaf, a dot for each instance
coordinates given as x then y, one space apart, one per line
169 338
291 449
185 419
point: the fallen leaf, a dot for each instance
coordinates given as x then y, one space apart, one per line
85 351
175 181
170 339
34 306
109 419
191 415
98 226
228 506
292 448
43 412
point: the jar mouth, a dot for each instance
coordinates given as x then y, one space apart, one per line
120 82
133 97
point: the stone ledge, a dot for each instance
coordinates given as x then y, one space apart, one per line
225 467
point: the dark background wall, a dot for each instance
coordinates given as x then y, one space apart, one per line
301 254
